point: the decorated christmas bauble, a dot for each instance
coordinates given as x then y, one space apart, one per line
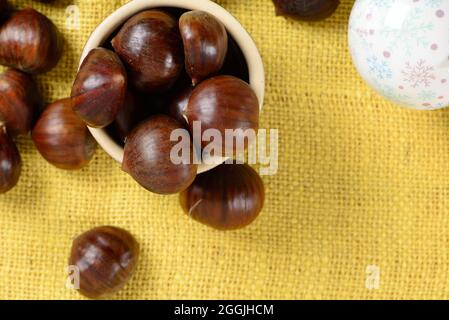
401 49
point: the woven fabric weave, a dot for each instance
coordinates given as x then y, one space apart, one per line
362 184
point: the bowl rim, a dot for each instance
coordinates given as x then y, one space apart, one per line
236 30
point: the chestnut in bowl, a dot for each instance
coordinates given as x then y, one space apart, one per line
222 103
148 156
112 24
205 44
150 46
99 90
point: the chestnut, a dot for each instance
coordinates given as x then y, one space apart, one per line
148 156
227 197
105 258
205 44
62 138
306 9
29 41
221 103
19 101
10 161
99 90
151 48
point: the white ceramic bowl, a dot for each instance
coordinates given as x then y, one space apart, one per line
234 28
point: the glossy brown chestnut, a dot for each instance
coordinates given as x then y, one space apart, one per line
99 90
306 9
147 156
105 258
227 197
205 44
62 138
223 102
151 49
10 162
29 41
19 101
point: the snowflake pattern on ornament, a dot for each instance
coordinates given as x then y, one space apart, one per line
419 74
379 68
414 35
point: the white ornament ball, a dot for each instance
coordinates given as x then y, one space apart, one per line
401 49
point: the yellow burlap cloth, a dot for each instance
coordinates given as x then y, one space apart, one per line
362 187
